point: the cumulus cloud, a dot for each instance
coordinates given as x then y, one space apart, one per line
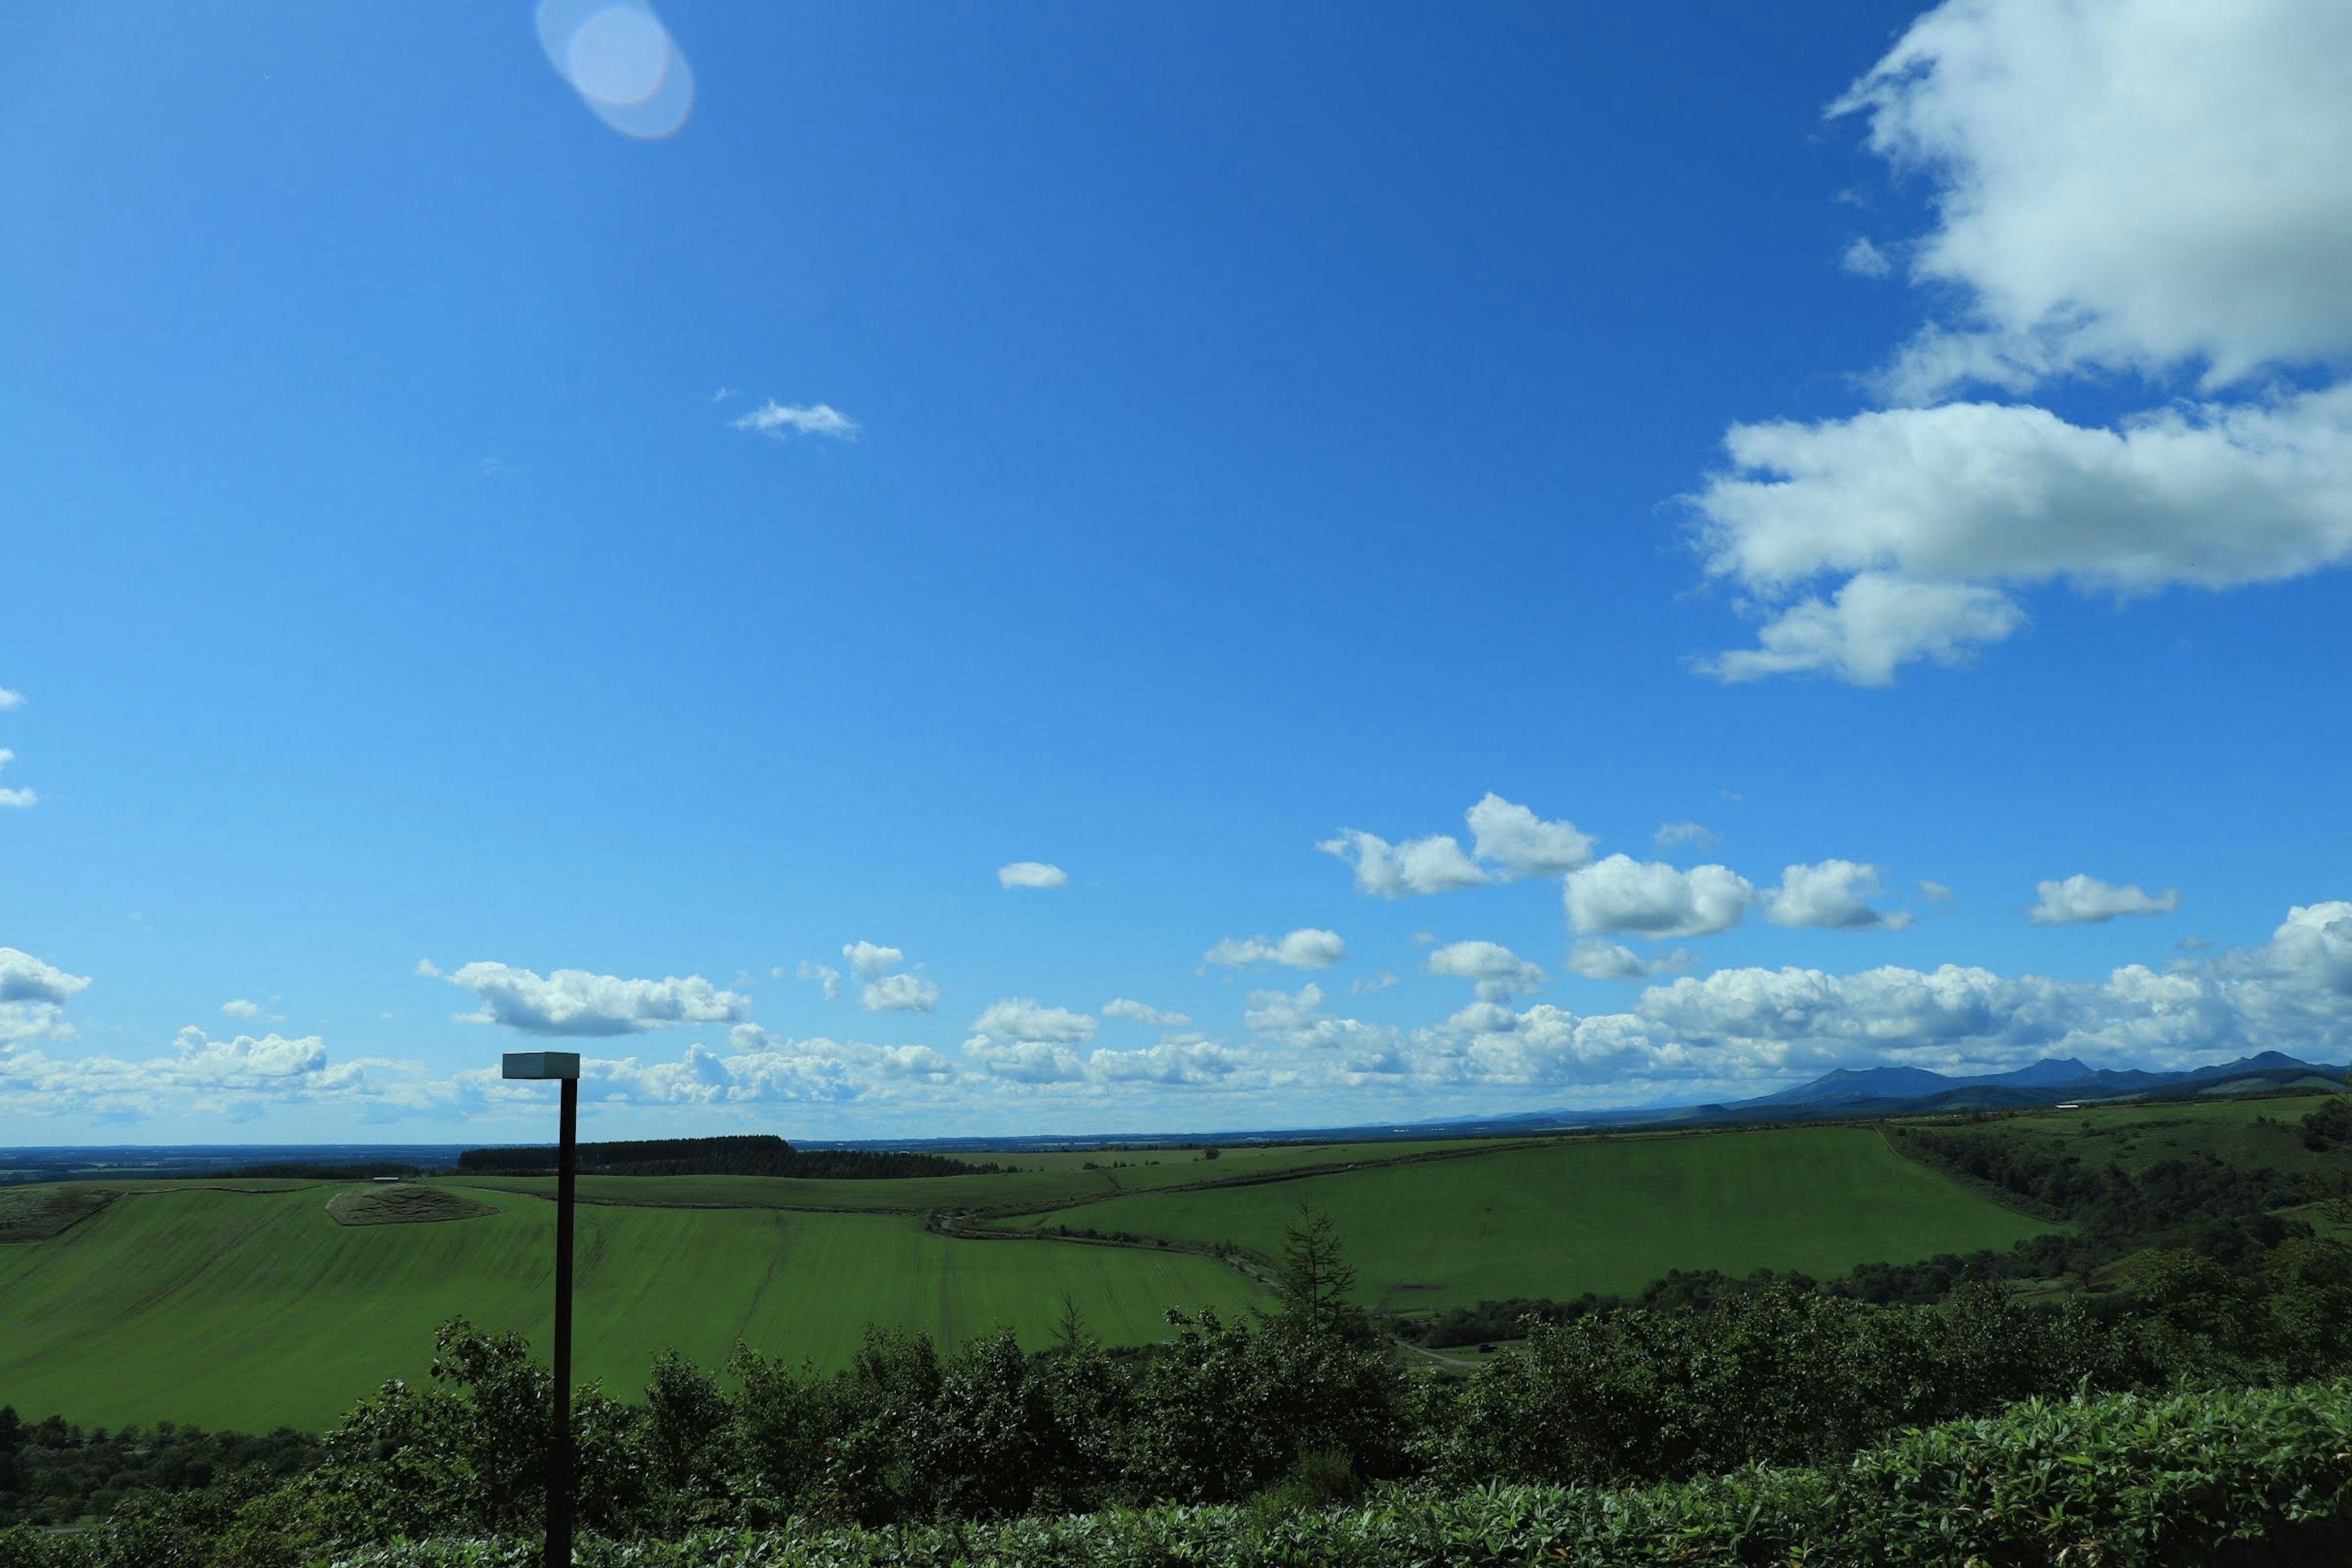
1930 516
1521 843
901 993
1365 985
17 798
871 960
1140 1012
1598 958
1934 891
1434 864
1653 898
2086 900
10 699
779 421
2126 185
1030 874
1021 1019
237 1078
825 974
2119 187
1831 896
574 1001
1508 840
1307 948
33 994
241 1008
1498 973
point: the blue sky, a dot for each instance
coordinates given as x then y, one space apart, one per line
481 575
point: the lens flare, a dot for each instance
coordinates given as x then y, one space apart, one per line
622 61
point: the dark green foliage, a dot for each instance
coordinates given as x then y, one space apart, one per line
2125 1481
1292 1413
53 1473
299 1172
748 1155
2329 1127
2170 1198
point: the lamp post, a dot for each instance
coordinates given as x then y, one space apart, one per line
563 1066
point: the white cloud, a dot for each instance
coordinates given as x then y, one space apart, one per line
1498 973
1674 835
1523 844
1598 958
1932 514
825 974
241 1008
1831 896
1140 1012
1307 948
572 1002
901 993
759 1068
2086 901
1511 840
1864 259
1934 891
871 960
2130 184
780 420
33 994
1021 1019
2124 186
1366 986
1432 865
14 797
2314 945
1653 898
1030 874
10 698
235 1078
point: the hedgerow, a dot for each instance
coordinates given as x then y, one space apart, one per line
2117 1481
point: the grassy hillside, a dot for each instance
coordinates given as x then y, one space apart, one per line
1043 1180
1612 1214
2248 1133
246 1309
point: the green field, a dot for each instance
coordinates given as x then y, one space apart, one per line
2249 1133
247 1304
1040 1181
1607 1216
247 1309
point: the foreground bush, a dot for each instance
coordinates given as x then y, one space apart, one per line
2253 1476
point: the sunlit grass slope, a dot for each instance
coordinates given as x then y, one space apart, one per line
2249 1133
247 1309
1609 1215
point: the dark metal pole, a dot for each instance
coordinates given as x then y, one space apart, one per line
559 1447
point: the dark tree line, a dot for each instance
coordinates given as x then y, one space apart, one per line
747 1154
52 1472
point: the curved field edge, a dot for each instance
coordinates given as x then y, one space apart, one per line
1606 1215
249 1310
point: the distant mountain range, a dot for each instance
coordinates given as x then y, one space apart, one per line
1846 1092
1911 1091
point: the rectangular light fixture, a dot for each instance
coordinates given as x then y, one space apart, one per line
540 1064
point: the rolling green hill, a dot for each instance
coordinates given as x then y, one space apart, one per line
2248 1133
247 1309
1612 1215
247 1304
